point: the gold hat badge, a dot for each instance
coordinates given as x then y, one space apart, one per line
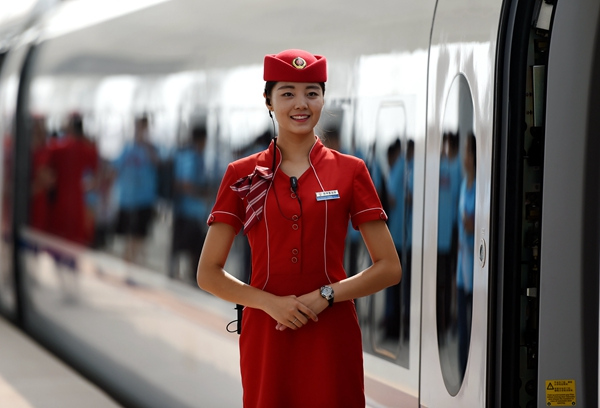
299 63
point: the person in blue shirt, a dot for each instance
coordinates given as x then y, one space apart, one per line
406 256
136 190
449 187
191 204
466 245
396 199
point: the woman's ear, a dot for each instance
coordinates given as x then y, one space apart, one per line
267 100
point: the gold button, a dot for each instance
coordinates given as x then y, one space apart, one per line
295 251
294 227
293 195
295 217
294 259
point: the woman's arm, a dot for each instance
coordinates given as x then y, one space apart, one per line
385 270
212 277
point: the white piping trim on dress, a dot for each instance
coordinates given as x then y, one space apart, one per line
267 223
368 209
228 213
326 214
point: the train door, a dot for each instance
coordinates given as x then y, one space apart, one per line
549 309
520 162
455 294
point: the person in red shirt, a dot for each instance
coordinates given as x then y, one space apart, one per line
42 177
300 342
70 158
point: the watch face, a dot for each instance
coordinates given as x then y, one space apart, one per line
326 291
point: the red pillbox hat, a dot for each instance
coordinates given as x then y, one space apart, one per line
295 66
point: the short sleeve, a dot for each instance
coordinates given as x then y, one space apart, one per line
365 205
229 207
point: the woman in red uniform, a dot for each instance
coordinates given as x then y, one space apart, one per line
300 344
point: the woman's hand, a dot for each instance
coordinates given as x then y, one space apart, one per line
290 312
312 301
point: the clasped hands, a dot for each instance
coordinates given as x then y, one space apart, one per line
294 312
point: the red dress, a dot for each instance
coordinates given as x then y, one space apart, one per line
297 249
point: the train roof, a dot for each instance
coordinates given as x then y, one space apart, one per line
165 36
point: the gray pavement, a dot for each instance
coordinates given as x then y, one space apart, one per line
31 377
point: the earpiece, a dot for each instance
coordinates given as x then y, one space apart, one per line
268 102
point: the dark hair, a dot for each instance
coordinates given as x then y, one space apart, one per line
269 88
198 133
142 120
395 146
472 146
76 124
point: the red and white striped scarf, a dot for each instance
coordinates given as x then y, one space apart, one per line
254 188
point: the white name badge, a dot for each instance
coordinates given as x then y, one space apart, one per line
327 195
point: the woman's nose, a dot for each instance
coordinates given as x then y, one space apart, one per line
301 102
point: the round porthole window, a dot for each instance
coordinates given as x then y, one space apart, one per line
456 234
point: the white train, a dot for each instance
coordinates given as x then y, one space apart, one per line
499 303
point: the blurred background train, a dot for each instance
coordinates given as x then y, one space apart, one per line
478 119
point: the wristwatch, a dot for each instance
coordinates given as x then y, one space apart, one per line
327 293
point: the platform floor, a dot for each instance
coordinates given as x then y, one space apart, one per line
31 377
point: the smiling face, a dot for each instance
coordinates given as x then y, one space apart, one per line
297 107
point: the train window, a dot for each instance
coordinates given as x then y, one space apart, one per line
134 185
456 217
391 166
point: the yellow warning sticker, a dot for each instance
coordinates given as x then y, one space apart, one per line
560 393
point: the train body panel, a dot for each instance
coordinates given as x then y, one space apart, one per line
11 71
460 102
568 343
